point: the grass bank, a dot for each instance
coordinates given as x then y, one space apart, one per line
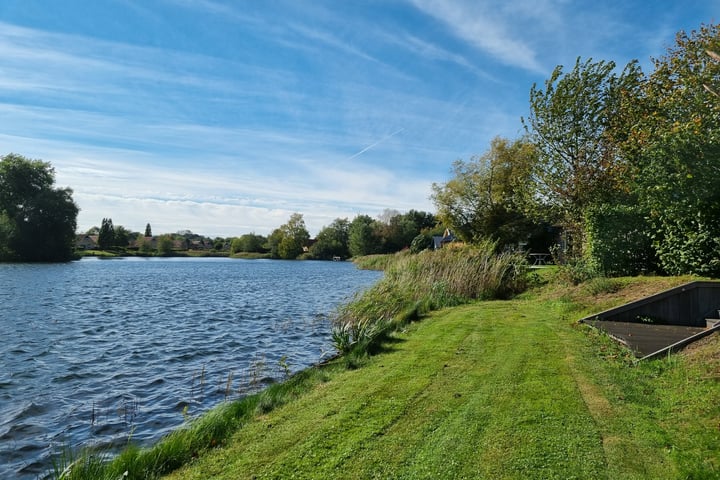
495 389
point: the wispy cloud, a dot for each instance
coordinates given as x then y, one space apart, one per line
247 113
479 24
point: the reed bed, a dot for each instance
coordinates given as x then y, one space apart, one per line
414 285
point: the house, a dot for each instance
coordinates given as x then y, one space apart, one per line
86 242
440 241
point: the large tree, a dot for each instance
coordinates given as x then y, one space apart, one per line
675 141
37 220
572 122
363 236
106 236
288 240
487 195
249 242
332 241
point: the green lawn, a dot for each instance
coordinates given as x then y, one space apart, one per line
502 389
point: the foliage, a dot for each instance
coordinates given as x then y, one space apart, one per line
332 241
287 241
486 196
571 123
122 237
363 236
380 261
165 244
423 241
675 142
576 270
37 221
148 230
144 244
111 236
249 242
618 240
106 237
397 230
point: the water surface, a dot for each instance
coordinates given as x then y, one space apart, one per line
95 350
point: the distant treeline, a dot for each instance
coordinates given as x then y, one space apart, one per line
392 231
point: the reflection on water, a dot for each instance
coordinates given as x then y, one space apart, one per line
94 350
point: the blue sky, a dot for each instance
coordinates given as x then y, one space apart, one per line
225 117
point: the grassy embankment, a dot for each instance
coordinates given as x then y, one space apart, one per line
491 389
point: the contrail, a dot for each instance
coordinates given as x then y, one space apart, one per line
376 143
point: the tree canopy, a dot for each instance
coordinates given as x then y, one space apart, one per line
626 163
675 144
487 195
288 240
332 241
570 123
37 220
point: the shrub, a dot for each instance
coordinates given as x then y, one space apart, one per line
617 240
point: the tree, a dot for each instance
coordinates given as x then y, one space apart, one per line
396 230
675 141
363 237
144 244
219 244
37 221
422 220
165 244
332 241
106 237
249 242
571 124
422 241
289 239
122 236
148 230
487 196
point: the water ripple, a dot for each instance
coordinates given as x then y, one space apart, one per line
102 350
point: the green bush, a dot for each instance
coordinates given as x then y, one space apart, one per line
577 271
690 244
423 241
617 240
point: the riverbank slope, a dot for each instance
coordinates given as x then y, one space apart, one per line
500 389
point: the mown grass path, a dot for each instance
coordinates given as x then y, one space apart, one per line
493 390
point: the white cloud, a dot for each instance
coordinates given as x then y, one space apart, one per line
480 24
228 145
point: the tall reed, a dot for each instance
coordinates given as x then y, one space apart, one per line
416 284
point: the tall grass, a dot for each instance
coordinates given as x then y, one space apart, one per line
416 284
379 261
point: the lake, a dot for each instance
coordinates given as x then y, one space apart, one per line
96 350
